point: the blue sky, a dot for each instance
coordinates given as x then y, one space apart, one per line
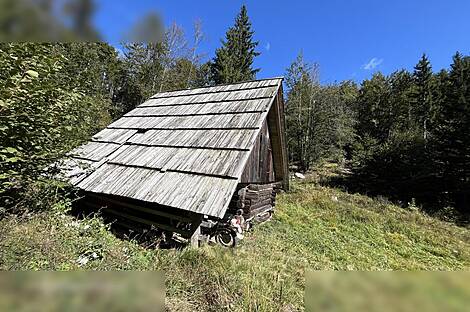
349 39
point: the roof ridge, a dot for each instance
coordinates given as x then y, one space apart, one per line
219 85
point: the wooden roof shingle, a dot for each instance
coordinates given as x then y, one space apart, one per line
185 149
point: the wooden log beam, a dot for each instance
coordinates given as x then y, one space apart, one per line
161 226
156 212
259 210
261 204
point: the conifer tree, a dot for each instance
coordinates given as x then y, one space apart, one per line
233 61
452 135
374 109
401 89
422 99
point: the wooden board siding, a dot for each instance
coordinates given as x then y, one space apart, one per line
259 167
185 149
276 122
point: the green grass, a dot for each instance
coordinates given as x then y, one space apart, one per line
314 228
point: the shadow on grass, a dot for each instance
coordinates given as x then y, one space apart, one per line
407 191
146 236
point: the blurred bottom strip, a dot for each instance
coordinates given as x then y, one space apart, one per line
82 291
387 291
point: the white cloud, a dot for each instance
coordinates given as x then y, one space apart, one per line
267 46
373 63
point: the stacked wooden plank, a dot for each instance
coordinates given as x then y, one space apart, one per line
140 216
255 199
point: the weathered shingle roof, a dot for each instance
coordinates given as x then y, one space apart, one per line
184 149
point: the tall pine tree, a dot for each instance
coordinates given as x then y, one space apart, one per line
233 61
374 109
422 100
452 135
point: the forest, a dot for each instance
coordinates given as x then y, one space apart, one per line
405 136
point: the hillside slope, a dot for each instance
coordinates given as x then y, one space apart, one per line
314 228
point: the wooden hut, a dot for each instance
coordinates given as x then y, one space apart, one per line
185 157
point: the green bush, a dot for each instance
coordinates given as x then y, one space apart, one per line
42 116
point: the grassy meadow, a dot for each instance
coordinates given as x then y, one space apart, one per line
314 227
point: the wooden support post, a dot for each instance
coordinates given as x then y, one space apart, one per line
194 240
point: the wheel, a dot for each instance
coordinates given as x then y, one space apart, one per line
226 238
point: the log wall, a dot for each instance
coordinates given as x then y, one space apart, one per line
255 199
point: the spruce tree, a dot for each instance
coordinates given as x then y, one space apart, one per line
452 135
234 60
401 84
374 108
422 100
